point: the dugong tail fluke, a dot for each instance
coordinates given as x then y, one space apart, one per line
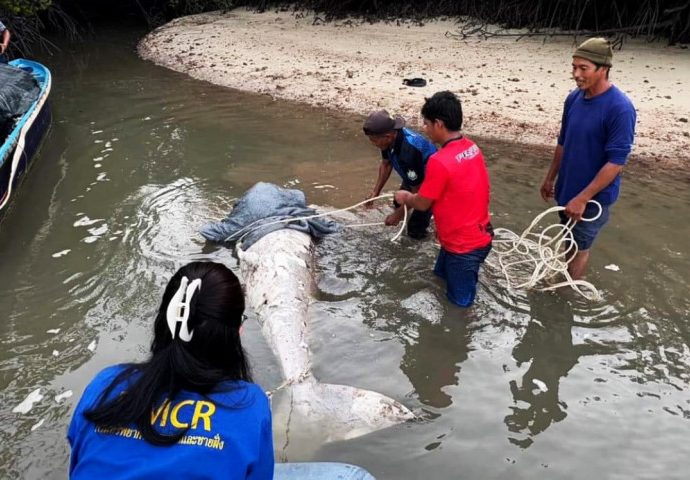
278 280
348 411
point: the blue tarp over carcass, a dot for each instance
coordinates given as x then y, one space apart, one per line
263 204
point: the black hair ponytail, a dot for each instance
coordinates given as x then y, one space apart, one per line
213 356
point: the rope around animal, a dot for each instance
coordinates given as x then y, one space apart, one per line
239 235
532 259
526 260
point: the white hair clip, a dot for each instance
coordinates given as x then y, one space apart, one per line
178 308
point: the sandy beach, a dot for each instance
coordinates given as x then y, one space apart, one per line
511 90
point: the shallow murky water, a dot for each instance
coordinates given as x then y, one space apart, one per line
523 385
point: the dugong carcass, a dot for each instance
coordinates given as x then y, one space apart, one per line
279 284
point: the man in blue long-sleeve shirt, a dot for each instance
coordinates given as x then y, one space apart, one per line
597 133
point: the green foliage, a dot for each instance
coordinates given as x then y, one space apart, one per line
24 8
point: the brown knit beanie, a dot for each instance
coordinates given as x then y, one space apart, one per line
596 50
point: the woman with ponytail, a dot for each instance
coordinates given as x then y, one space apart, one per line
190 410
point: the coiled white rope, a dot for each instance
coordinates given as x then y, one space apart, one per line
532 259
239 235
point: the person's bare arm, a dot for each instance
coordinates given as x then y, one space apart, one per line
547 188
5 41
395 217
413 200
385 169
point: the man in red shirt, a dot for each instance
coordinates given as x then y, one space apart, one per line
456 188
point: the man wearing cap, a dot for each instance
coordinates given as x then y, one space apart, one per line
4 42
596 137
457 188
407 152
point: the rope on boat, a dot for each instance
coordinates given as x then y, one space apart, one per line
19 149
533 259
239 235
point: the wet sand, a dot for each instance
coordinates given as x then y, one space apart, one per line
511 90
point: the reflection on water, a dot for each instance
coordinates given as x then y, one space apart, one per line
427 364
547 343
547 346
523 385
556 369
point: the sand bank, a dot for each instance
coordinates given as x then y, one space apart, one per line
511 90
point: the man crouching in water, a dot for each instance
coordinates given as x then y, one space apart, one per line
456 188
407 152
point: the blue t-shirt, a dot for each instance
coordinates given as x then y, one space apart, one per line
230 437
408 156
594 131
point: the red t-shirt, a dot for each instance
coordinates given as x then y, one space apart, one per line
458 183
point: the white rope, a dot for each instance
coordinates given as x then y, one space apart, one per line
288 383
532 259
19 148
239 235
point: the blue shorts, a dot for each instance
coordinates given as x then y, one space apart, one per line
461 272
584 233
